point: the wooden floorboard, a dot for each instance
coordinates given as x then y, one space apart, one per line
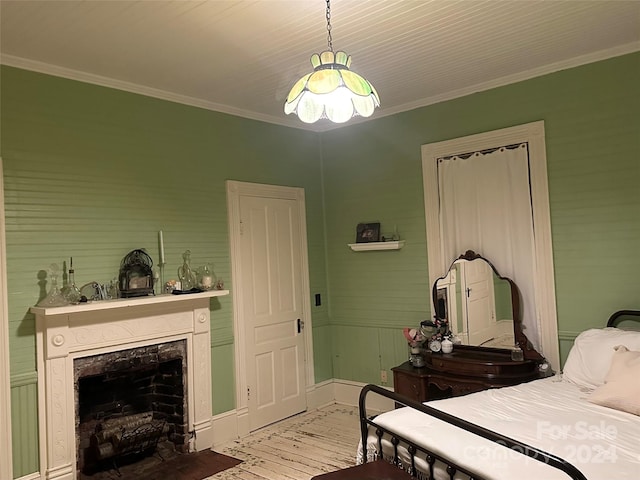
286 464
297 448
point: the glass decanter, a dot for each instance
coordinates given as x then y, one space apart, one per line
71 292
185 274
54 298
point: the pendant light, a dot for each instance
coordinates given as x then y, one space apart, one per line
332 90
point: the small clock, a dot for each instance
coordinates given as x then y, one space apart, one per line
435 345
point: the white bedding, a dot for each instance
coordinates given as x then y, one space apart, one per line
550 414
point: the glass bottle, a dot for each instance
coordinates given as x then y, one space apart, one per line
185 274
517 355
112 290
417 360
54 298
71 292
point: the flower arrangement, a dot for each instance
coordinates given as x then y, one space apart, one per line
414 337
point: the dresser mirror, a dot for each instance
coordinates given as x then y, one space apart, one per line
482 307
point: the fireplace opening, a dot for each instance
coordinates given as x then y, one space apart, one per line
127 403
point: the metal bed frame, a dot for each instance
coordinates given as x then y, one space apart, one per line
452 467
430 457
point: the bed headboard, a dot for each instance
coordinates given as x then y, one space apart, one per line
631 319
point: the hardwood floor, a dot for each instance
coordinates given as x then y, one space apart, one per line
298 448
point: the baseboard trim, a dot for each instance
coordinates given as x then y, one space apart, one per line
320 395
348 393
225 427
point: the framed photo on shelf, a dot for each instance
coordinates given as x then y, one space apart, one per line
367 232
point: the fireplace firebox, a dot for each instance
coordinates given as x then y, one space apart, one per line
129 400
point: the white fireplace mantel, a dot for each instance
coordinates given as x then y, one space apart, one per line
74 331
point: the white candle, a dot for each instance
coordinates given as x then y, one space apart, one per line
161 247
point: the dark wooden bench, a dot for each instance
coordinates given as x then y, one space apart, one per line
379 470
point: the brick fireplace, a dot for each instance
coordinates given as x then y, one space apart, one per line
82 348
137 392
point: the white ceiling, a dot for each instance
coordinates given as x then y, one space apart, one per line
242 57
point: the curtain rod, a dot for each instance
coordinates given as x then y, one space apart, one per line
466 155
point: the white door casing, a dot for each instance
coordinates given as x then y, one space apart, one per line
6 468
544 282
271 292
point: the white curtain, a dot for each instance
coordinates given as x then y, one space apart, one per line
485 206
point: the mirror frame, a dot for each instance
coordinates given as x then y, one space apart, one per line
521 339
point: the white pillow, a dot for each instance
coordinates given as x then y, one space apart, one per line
590 357
621 390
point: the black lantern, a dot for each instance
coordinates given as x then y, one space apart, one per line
136 275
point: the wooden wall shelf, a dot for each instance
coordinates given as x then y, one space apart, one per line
367 247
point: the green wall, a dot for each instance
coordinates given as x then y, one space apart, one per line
373 173
502 294
93 173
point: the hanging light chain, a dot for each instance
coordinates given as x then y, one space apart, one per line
329 38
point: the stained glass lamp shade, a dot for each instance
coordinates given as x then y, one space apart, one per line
331 91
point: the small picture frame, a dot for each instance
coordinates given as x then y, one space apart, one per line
367 232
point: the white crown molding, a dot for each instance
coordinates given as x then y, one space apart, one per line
58 71
80 76
517 77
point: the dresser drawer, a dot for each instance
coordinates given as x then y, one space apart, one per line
413 387
479 364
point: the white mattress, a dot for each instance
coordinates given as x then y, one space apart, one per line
550 414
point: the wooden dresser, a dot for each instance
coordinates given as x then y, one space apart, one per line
465 370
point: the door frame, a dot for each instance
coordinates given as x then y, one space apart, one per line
544 281
6 468
236 189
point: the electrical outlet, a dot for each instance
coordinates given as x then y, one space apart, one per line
383 376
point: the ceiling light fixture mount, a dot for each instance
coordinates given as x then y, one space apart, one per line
332 90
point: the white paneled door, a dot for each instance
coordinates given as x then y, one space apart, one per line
270 262
481 309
